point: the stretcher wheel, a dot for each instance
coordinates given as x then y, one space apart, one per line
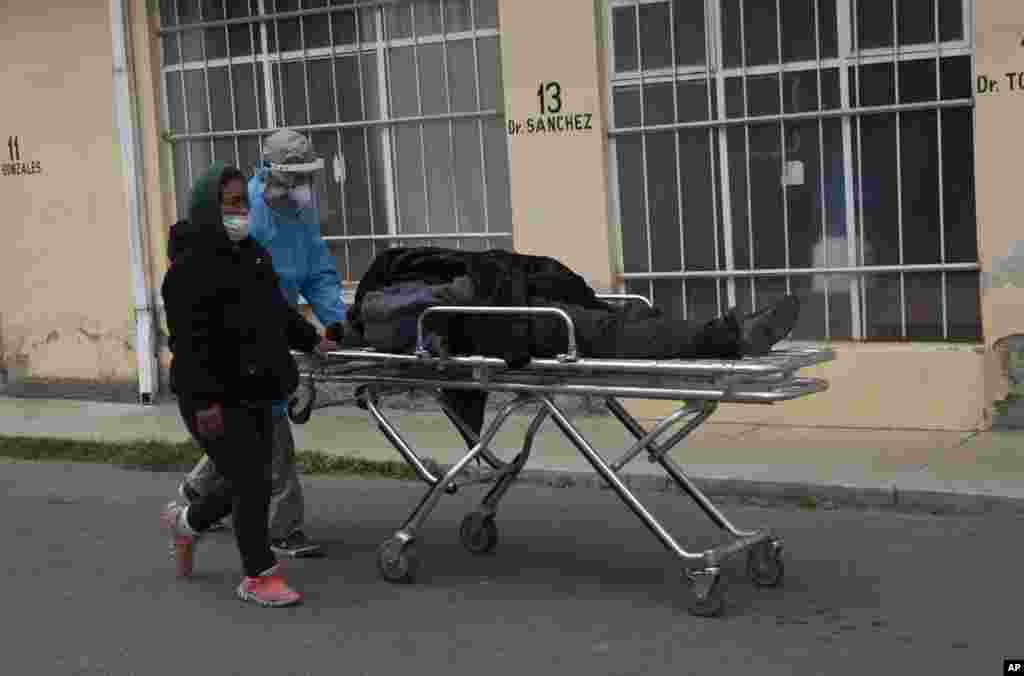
397 561
711 602
478 533
764 564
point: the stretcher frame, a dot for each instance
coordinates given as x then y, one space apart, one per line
698 385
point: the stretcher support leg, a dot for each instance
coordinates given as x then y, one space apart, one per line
662 458
478 531
396 557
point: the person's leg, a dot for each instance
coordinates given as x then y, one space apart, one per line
287 500
651 335
204 479
187 523
243 455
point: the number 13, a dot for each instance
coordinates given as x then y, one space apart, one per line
550 91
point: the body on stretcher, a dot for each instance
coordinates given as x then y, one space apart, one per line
698 385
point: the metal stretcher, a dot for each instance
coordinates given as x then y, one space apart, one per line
698 385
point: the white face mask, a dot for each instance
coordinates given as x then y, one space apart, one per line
237 227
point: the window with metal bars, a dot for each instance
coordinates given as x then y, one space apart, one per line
817 147
406 96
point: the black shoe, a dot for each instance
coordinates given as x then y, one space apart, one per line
296 545
760 331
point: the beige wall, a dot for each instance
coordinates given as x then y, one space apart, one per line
65 285
998 149
558 178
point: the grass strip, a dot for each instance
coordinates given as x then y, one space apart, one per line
166 456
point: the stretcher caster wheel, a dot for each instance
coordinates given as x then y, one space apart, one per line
764 564
478 533
708 592
398 561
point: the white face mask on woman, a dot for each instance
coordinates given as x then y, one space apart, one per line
237 227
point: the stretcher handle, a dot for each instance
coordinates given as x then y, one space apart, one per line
624 296
571 355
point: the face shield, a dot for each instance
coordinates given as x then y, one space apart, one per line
297 186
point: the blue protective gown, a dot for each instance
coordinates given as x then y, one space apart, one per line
300 257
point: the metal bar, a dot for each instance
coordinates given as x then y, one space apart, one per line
882 55
845 12
793 389
746 155
268 72
206 85
434 494
420 235
370 178
780 272
643 151
675 137
721 188
782 141
647 440
634 427
328 126
393 435
899 168
476 33
624 296
384 89
825 239
494 496
812 115
337 133
419 109
231 87
453 175
184 101
266 16
620 488
281 97
941 186
571 355
468 434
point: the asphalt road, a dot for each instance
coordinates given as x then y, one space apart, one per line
576 586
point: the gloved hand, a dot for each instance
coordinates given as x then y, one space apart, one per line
210 422
327 345
337 331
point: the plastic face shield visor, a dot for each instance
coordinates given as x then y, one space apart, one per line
300 183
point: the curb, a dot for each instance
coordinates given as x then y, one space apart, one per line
806 495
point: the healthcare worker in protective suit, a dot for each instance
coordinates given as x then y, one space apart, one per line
285 219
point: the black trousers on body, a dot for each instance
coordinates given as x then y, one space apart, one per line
242 455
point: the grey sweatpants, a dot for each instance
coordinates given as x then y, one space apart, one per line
287 504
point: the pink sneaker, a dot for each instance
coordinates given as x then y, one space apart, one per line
268 590
183 538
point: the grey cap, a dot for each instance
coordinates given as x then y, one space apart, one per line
288 147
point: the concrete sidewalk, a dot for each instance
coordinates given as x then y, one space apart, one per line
934 471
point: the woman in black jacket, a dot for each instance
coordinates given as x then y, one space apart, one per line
231 331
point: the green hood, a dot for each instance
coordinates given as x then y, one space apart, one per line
204 228
204 207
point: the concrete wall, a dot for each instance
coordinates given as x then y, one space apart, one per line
998 147
558 176
65 286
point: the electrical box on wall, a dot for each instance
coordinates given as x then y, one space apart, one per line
793 173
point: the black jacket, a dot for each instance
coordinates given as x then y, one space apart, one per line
499 278
231 328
